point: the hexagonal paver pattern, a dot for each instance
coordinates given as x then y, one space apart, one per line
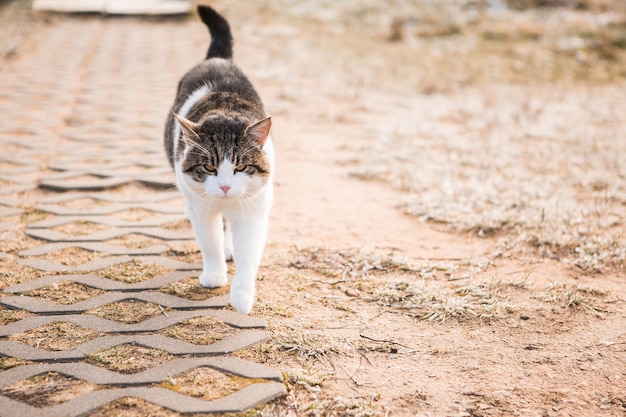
81 139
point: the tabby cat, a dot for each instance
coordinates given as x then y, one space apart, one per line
217 139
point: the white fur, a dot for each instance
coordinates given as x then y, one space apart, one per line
184 110
245 207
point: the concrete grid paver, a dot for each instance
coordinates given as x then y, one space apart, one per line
83 113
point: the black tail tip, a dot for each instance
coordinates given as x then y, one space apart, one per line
208 14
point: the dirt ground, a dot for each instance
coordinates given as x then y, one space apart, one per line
448 234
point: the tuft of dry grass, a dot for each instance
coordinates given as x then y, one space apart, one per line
47 389
73 256
135 241
133 407
134 214
346 264
33 215
134 271
65 292
128 311
9 316
304 346
81 228
430 301
179 225
571 296
56 336
190 288
12 273
305 397
207 384
8 363
199 330
185 252
129 359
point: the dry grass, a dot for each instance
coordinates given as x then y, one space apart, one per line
133 407
191 289
65 292
9 316
47 389
72 256
33 215
81 228
512 127
56 336
8 363
185 252
207 384
134 214
528 173
13 241
84 203
134 240
179 225
128 311
129 359
568 296
199 330
430 301
12 273
134 271
347 264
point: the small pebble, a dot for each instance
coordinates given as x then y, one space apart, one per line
352 292
501 393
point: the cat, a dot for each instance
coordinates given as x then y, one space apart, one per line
218 142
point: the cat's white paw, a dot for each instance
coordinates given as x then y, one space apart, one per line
213 279
242 300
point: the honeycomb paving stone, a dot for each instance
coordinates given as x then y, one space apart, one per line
50 266
108 221
113 198
14 189
248 397
155 232
102 376
238 341
96 281
109 209
154 324
95 247
10 211
39 306
91 152
9 202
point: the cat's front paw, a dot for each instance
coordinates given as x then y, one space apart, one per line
213 279
242 300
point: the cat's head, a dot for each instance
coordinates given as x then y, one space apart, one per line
224 156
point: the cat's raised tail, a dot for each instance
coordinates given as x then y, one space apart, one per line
221 38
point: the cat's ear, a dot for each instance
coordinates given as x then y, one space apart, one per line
188 128
259 131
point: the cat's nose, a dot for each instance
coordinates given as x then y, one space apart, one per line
225 188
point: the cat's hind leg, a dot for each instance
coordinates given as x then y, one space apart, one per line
228 241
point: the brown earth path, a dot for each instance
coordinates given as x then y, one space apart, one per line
536 360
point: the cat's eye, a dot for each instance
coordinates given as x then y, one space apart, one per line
240 168
210 169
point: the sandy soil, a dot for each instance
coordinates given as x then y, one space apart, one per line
348 353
